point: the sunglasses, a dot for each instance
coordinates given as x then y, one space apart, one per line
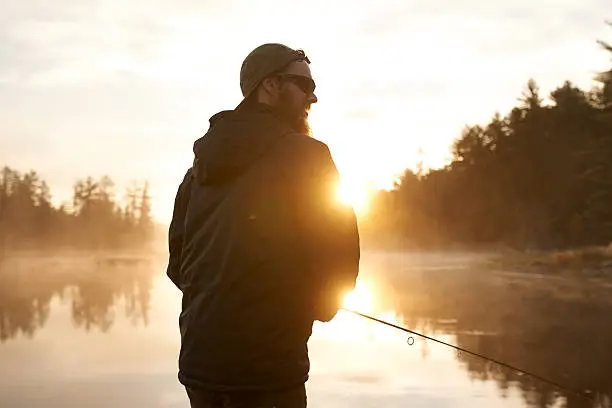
306 84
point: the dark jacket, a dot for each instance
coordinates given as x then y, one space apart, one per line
260 247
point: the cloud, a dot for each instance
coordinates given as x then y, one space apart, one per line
88 43
389 15
410 86
462 30
83 82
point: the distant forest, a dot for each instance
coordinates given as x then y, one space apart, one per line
93 220
539 177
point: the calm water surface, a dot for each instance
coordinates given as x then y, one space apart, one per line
100 332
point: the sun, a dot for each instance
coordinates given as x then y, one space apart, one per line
353 193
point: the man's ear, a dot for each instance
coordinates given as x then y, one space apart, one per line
270 85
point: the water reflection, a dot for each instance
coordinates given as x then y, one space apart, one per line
558 328
93 286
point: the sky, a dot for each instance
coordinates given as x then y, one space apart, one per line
124 88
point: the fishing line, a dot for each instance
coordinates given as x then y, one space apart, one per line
555 384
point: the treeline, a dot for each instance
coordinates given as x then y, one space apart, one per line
538 177
93 220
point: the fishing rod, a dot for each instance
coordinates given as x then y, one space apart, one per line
555 384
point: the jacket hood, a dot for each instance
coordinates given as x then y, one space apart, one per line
234 140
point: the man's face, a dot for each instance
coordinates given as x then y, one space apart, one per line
296 94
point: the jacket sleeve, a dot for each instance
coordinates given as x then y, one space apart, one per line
176 230
332 232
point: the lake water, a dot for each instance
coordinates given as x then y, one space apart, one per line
86 332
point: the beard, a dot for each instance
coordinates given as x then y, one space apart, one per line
296 116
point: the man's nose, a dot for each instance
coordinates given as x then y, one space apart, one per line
313 99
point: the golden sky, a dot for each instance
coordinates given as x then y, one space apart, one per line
124 87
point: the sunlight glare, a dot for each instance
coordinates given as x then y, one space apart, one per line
354 194
359 299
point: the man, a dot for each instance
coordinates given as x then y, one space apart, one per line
259 244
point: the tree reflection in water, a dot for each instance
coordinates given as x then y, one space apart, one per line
94 288
558 328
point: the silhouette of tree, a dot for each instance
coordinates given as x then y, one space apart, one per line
92 220
538 177
145 222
